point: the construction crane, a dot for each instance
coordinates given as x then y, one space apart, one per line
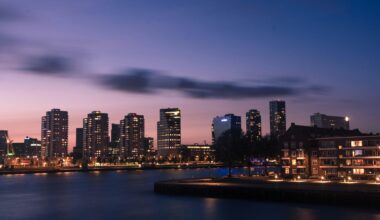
10 150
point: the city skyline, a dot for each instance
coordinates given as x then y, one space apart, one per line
208 137
293 50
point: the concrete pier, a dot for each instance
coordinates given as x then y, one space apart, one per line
363 194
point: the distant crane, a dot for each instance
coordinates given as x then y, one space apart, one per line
10 150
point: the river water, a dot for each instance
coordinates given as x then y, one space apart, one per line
129 195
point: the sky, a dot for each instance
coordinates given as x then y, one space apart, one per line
207 57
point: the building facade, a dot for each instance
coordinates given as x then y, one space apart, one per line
253 125
325 121
169 133
32 147
277 118
299 149
132 129
221 124
54 134
357 157
95 135
198 152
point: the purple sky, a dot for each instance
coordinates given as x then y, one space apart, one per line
296 46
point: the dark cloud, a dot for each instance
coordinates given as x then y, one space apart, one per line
281 80
18 50
48 65
149 82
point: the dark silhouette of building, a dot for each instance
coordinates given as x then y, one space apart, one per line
32 147
115 134
78 149
79 138
54 133
148 143
3 142
114 146
221 124
253 124
19 149
169 133
326 121
149 151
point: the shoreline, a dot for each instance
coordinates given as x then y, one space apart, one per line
353 194
105 169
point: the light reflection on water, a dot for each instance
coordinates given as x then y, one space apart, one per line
129 195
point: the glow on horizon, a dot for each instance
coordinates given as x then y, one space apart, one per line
240 42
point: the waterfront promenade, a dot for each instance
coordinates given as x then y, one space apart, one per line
353 193
106 168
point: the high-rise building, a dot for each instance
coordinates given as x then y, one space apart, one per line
277 118
54 133
148 143
79 138
115 134
132 129
114 146
169 133
326 121
3 142
32 147
253 124
150 152
221 124
78 149
95 134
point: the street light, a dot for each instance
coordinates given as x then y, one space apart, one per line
349 179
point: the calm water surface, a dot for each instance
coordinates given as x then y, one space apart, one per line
129 195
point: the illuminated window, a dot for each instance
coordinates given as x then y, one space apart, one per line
294 162
356 143
357 153
358 171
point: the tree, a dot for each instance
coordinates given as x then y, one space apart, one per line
266 147
231 148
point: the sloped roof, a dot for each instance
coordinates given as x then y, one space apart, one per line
307 132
